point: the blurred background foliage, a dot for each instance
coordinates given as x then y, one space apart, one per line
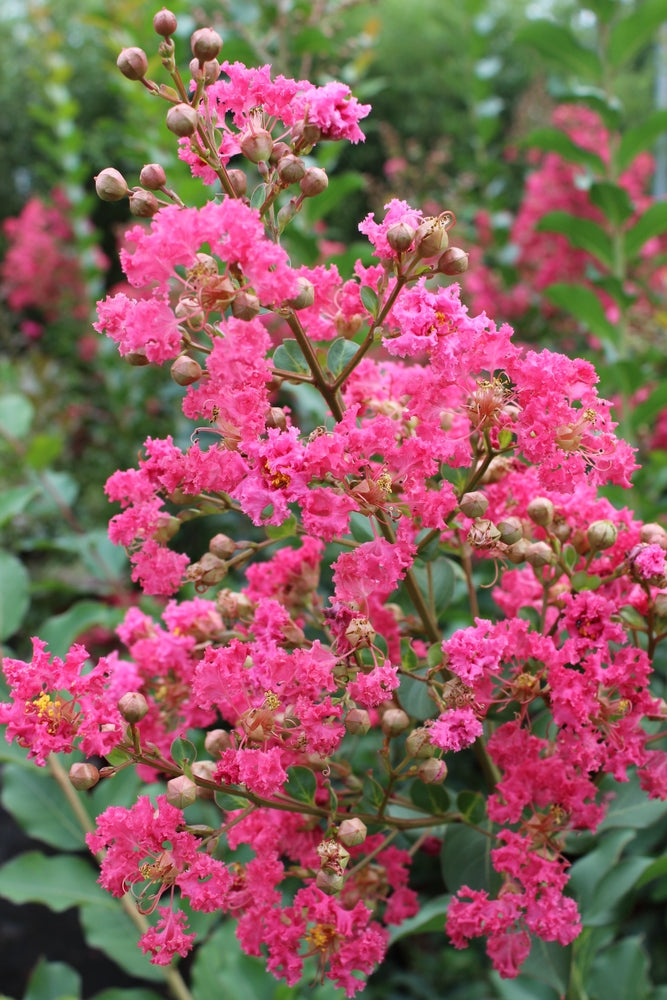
457 90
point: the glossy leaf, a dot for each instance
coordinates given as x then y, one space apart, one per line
465 859
14 593
558 44
15 501
553 140
36 803
106 926
340 352
289 357
652 223
431 917
634 32
582 233
16 415
60 631
613 200
302 784
58 882
183 752
369 299
53 981
629 806
620 971
582 303
641 137
433 798
415 700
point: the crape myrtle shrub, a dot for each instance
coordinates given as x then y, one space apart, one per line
379 454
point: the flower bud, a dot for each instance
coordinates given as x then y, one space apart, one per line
511 530
291 169
432 771
133 707
205 770
453 261
483 534
208 571
143 204
189 311
168 527
137 359
394 721
165 23
152 176
305 296
110 185
185 370
541 511
357 721
279 150
276 418
660 605
305 134
208 71
431 237
222 546
360 633
352 832
181 792
653 534
217 741
540 554
516 553
418 743
182 120
205 44
473 504
239 181
329 882
314 182
83 776
256 145
245 305
401 236
601 535
133 63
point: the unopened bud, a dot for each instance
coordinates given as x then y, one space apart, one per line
291 169
204 770
314 182
83 776
418 743
305 134
167 529
401 236
276 418
182 120
245 305
181 792
394 722
239 181
474 504
165 23
516 553
143 203
152 176
601 535
432 771
217 741
279 150
653 534
133 707
222 546
360 633
185 370
540 554
256 145
110 185
329 882
133 63
304 297
453 261
357 721
137 359
431 237
208 571
205 44
511 530
352 832
541 511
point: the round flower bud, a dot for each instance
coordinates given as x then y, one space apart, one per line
516 553
540 554
352 832
111 185
181 792
167 529
222 546
185 370
204 769
453 261
329 882
133 707
601 535
256 145
291 169
418 743
401 236
394 722
182 120
432 771
217 741
152 176
245 305
143 204
165 23
541 511
133 63
431 237
84 776
276 418
305 134
305 297
279 150
189 311
360 633
653 534
357 721
137 359
473 504
205 44
239 181
208 571
560 528
314 182
208 71
511 530
660 605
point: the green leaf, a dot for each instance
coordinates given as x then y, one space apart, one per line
433 798
582 233
415 700
301 784
552 140
109 928
289 357
644 413
635 31
440 575
36 803
472 806
620 971
53 981
58 882
558 44
607 106
285 530
229 802
360 527
465 859
14 593
340 352
123 993
582 303
60 631
613 200
373 792
643 136
652 223
16 415
431 917
183 752
585 581
370 300
14 501
43 450
610 891
604 10
549 963
630 806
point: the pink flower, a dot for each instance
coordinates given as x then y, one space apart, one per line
455 729
167 938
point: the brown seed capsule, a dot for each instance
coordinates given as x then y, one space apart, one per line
165 23
182 120
133 63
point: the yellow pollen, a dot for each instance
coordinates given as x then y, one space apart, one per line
321 936
271 701
384 482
